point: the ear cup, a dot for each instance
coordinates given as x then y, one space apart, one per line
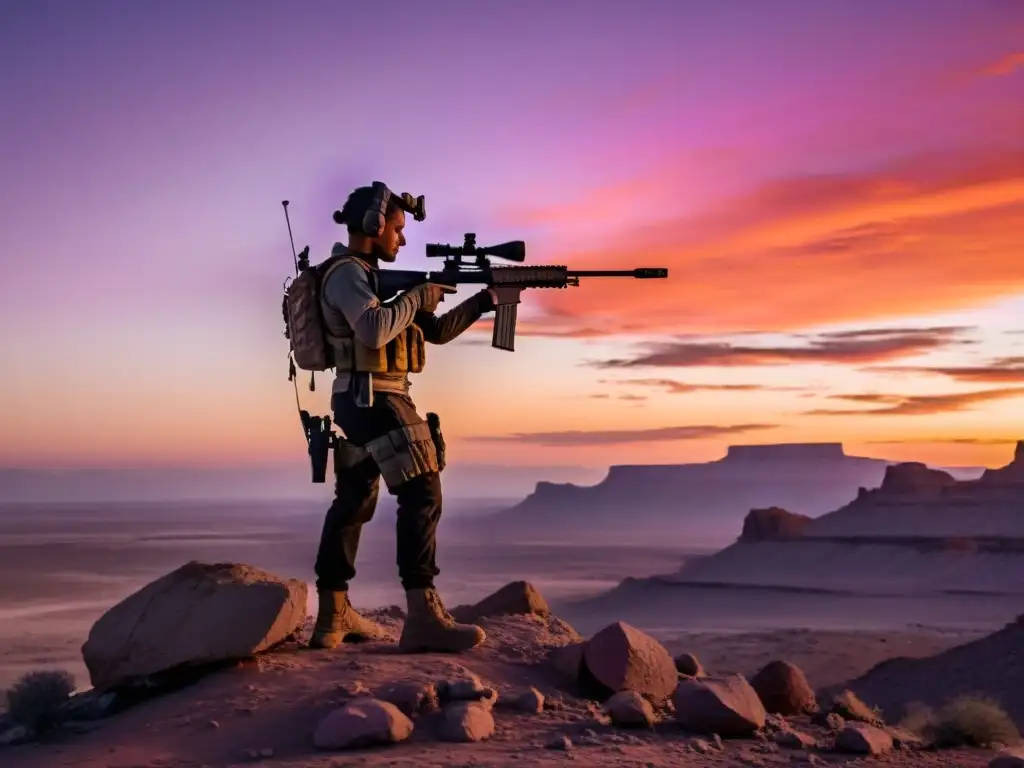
374 217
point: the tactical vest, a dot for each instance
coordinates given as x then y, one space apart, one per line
406 353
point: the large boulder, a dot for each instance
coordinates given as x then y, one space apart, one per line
517 597
864 739
728 706
199 614
622 658
362 723
784 690
1009 757
773 524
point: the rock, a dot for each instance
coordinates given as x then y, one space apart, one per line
773 524
831 720
567 660
199 614
914 477
466 721
469 688
353 689
562 742
589 737
728 706
902 738
362 723
461 688
702 747
847 705
792 739
411 697
1008 758
622 658
863 739
629 709
91 705
688 664
600 717
529 701
518 597
784 690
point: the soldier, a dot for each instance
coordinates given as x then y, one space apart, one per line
397 443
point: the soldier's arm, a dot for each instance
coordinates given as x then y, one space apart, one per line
450 325
348 290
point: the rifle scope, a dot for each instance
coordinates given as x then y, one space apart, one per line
514 250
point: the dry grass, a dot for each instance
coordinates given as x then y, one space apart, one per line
965 721
36 700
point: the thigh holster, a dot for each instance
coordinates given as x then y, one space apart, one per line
404 453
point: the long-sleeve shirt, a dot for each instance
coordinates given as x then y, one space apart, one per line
350 302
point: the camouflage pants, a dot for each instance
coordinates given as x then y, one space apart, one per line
391 441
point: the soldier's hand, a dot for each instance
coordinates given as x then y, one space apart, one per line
432 294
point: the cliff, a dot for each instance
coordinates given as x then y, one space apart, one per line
786 452
1010 475
914 501
773 524
920 531
697 504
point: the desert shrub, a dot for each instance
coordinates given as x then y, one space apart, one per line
977 721
36 698
965 721
919 719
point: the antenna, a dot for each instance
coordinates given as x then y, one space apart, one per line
295 257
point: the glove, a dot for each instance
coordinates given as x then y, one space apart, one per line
432 294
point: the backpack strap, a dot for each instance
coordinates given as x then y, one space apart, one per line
337 258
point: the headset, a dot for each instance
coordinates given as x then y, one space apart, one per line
372 222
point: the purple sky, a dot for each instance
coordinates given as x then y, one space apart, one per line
147 147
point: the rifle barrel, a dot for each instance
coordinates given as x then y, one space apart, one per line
640 273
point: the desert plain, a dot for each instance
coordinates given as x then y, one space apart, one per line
849 607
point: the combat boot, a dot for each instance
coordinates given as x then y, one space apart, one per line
338 622
429 627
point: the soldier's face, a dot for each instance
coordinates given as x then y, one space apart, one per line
392 238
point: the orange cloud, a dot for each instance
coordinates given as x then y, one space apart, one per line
674 387
616 436
950 440
932 234
1006 370
916 405
839 347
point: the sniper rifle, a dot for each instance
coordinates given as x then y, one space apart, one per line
506 281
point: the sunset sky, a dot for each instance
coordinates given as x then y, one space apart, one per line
836 188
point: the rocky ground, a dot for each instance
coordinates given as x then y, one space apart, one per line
535 693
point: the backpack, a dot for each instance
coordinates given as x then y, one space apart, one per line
303 317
